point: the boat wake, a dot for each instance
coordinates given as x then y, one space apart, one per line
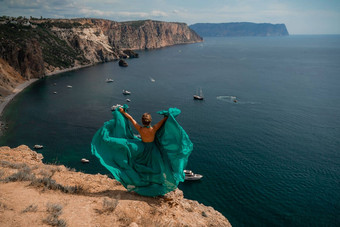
234 100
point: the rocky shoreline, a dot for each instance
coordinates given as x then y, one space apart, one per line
36 194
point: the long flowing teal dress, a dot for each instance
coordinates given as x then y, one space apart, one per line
149 169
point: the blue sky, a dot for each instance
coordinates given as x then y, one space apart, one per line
300 16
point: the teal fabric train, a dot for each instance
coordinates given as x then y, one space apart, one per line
150 169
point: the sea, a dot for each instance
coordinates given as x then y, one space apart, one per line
272 158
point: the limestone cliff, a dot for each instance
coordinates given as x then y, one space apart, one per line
36 194
34 48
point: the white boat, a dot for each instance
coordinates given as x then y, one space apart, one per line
152 80
199 96
128 100
108 80
69 86
189 175
55 92
37 146
84 160
126 92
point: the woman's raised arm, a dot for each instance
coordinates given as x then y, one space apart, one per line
128 116
160 123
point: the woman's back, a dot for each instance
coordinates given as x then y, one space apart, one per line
147 134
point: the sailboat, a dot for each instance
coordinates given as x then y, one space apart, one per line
199 96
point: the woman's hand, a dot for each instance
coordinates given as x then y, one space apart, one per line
121 110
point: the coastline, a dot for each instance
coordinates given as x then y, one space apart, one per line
22 86
15 91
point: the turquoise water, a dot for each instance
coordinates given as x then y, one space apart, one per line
272 158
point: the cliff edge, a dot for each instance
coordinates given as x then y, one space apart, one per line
32 48
36 194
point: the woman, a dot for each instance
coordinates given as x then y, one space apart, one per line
147 132
150 166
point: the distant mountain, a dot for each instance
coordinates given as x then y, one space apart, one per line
239 29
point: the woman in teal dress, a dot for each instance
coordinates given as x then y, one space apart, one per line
151 165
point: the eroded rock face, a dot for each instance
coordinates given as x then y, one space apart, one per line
56 44
26 59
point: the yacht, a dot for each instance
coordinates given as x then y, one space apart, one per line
108 80
189 175
126 92
199 96
69 86
128 100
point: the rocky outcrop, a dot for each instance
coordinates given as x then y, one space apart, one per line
44 46
239 29
36 194
123 63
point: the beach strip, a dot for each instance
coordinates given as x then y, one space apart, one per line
15 91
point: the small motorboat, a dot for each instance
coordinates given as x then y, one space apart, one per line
37 146
55 92
108 80
128 100
189 175
126 92
84 160
69 86
152 80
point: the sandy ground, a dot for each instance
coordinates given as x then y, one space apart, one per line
35 194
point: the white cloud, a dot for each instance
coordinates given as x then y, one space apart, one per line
298 17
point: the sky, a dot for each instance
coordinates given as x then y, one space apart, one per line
299 16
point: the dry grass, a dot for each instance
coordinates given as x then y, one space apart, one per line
52 219
24 173
109 205
7 164
30 208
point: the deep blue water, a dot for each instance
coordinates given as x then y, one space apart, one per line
271 159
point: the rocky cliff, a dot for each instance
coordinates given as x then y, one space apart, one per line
36 194
36 47
239 29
